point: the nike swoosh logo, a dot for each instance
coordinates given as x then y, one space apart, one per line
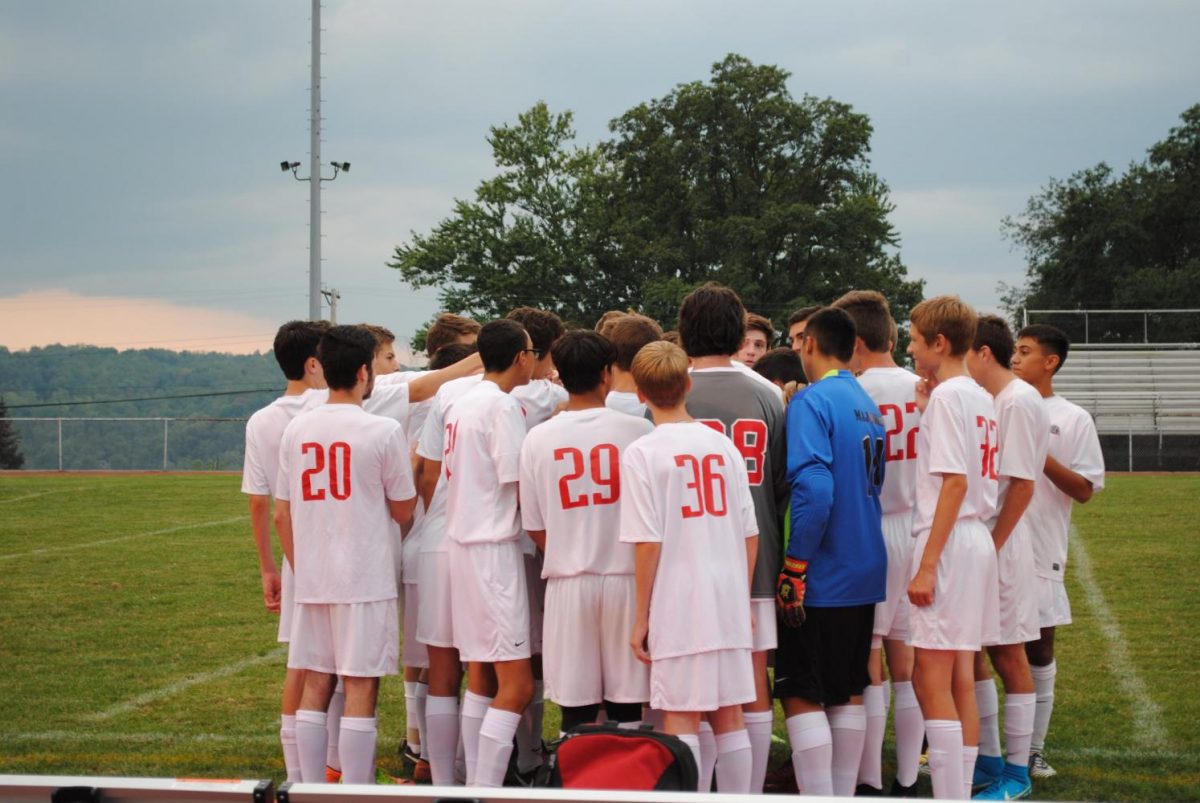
519 643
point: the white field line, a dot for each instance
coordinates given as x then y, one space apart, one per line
68 547
34 495
1148 730
171 689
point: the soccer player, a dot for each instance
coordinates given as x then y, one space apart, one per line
344 475
1074 471
759 334
954 587
687 509
448 328
1023 428
894 390
796 323
711 326
783 367
489 603
628 334
295 350
570 494
835 569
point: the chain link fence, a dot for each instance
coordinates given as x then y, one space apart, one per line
131 444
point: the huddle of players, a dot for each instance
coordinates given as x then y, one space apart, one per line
670 539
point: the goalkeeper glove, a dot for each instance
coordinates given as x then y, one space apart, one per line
789 591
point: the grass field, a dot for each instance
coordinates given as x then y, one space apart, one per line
133 640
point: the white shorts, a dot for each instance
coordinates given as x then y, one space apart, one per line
704 681
413 653
359 639
1054 609
964 614
489 606
766 636
891 615
435 628
1018 589
287 601
588 658
535 587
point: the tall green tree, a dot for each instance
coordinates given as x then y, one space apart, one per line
10 442
730 180
1102 240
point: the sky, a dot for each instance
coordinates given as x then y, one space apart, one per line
142 202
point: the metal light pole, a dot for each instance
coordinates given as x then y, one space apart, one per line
314 178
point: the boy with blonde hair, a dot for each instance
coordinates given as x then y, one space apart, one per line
687 509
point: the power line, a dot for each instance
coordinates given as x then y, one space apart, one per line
141 399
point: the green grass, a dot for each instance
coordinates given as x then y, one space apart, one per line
100 609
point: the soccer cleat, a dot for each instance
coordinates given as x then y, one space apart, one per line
866 790
421 772
1038 768
408 754
1006 787
332 775
899 790
987 771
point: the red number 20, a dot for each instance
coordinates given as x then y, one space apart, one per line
339 471
607 479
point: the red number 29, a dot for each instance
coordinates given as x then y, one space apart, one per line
605 470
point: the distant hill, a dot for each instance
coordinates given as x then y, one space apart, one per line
134 383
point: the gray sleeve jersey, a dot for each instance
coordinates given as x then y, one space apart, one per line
749 414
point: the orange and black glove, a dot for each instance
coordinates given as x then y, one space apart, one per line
789 591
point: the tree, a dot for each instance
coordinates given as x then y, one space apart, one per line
731 180
10 442
1102 241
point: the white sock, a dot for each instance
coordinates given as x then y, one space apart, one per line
989 717
1019 711
812 752
358 749
735 762
870 769
910 732
287 739
529 734
945 757
848 729
310 744
1043 684
460 758
969 754
887 695
693 743
441 740
411 718
474 708
333 725
758 725
708 755
495 746
422 697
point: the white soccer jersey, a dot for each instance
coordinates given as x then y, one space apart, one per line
957 436
338 466
484 431
894 390
756 376
539 399
1075 444
264 431
571 488
685 486
432 446
625 402
1024 428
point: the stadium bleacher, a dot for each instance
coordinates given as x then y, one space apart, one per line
1144 390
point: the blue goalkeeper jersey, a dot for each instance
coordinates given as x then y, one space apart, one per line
835 457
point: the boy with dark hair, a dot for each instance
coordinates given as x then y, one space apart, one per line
796 323
489 604
782 366
894 390
711 321
628 333
296 352
1074 471
760 333
344 476
449 328
570 505
954 589
835 569
1023 428
687 509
